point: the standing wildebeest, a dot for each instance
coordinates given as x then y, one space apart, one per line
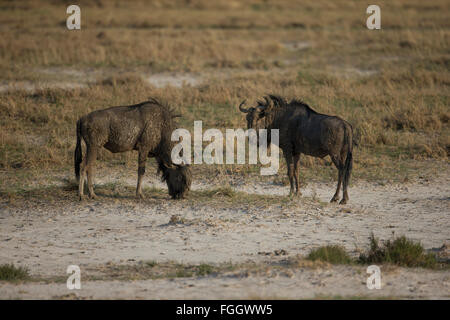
146 127
303 130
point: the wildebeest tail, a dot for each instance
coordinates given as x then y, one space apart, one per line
78 155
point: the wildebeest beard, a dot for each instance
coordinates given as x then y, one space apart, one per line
178 179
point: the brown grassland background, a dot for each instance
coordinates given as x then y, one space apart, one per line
391 84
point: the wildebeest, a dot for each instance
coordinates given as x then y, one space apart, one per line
146 127
303 130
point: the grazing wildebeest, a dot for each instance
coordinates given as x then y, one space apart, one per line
146 127
303 130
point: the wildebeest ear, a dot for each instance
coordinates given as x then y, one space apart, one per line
262 111
262 108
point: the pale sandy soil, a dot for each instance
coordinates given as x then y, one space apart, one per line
69 78
47 238
335 282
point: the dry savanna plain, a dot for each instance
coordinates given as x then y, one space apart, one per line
237 234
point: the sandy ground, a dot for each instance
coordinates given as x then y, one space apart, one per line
47 239
69 78
336 282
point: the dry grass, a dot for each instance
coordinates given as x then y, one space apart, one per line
392 84
57 195
9 272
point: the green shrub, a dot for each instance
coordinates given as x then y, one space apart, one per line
9 272
400 251
331 254
204 269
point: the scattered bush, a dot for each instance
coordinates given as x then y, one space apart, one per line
400 251
331 254
204 269
9 272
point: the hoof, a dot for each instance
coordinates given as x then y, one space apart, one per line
343 201
93 196
335 199
140 196
81 197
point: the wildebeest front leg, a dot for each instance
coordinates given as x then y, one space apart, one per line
290 170
142 158
297 174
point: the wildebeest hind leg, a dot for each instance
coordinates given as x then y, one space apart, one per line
82 179
91 156
296 174
344 187
340 168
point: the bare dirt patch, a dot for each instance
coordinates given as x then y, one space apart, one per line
174 80
47 236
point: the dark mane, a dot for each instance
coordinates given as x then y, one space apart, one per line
300 103
280 102
164 105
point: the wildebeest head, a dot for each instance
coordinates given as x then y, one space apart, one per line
178 179
255 115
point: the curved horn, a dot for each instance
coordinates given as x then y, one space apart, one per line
243 109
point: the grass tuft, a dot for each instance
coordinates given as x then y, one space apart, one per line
330 254
8 272
151 263
204 269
